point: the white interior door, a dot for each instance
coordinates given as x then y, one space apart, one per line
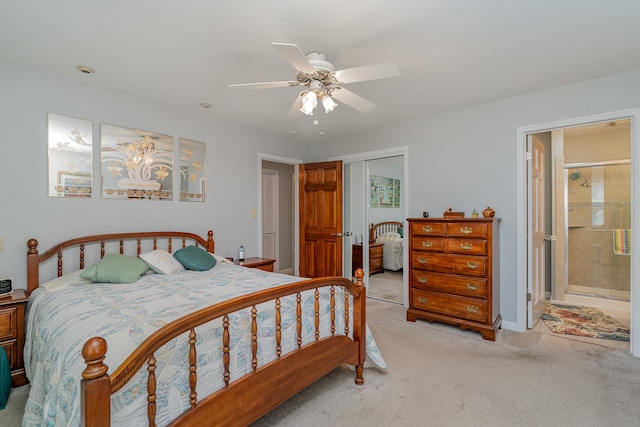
536 236
270 215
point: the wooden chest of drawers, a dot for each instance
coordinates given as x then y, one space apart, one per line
375 258
454 272
12 333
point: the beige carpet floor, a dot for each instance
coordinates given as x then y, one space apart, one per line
386 286
439 375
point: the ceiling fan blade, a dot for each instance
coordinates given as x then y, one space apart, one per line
295 108
368 72
352 100
264 85
294 55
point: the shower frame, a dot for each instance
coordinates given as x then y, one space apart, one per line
561 293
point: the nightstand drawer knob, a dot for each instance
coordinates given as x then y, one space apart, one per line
472 287
472 265
427 244
466 246
472 309
422 280
422 260
422 300
427 229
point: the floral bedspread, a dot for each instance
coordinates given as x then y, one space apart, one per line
67 311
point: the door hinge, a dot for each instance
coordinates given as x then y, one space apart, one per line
528 296
528 155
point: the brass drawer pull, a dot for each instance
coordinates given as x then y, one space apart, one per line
466 230
472 309
472 287
472 265
422 280
423 300
427 229
422 260
427 244
466 246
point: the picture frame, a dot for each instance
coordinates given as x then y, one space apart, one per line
74 184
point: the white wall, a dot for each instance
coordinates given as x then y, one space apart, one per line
467 158
26 211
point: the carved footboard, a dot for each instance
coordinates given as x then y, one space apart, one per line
246 399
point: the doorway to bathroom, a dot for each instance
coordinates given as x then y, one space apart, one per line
587 217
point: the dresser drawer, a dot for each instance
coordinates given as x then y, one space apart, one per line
375 251
466 246
433 244
468 229
8 323
449 305
454 264
375 264
465 286
428 229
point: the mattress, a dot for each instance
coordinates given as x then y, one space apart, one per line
65 312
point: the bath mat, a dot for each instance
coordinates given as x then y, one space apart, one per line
584 322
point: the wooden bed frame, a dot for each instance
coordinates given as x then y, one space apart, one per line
239 402
380 228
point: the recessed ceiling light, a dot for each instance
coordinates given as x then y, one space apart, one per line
205 105
84 69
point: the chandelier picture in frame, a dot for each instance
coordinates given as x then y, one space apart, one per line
70 149
192 178
135 164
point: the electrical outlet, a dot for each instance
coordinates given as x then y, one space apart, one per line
254 213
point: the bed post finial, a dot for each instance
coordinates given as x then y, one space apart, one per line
33 266
95 387
93 352
210 244
360 277
359 322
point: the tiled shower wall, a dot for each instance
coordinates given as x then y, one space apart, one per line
594 212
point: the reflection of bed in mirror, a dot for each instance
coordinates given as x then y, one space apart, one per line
389 233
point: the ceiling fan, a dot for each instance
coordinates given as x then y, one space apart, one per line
323 82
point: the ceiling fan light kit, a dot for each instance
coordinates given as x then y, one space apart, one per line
316 73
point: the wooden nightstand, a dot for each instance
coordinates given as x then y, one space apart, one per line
265 264
375 258
12 328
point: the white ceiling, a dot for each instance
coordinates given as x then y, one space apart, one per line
452 53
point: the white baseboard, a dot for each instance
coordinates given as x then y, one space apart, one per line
288 271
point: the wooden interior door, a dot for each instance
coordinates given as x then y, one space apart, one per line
320 219
536 241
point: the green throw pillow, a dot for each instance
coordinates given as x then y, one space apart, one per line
5 378
400 230
194 258
116 268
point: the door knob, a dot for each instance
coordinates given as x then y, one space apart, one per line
336 234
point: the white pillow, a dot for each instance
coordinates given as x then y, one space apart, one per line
162 262
389 237
64 280
221 259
